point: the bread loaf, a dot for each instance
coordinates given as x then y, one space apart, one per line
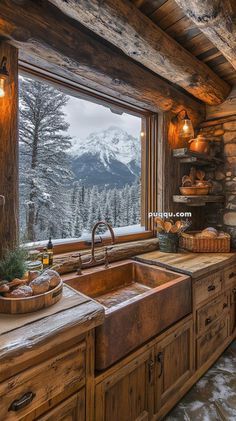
22 291
40 284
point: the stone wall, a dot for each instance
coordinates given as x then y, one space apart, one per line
223 138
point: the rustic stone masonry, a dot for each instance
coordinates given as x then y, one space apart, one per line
223 138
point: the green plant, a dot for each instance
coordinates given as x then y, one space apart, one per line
13 264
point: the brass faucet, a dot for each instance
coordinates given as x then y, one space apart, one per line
104 259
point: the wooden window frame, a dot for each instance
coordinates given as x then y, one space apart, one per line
149 154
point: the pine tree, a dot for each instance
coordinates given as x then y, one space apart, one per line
44 172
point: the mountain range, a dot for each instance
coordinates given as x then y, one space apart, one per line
110 157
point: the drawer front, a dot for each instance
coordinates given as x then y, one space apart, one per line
208 287
211 341
230 276
30 389
209 313
72 409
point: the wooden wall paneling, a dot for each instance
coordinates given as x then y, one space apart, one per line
9 151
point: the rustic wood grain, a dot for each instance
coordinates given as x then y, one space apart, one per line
22 347
44 381
170 17
228 108
193 264
122 24
69 263
216 19
9 152
85 59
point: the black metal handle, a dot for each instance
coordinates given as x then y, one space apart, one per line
234 290
208 321
25 400
211 288
232 274
225 305
160 361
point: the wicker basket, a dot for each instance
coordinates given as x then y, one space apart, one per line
188 241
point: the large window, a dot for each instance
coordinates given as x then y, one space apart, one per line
79 163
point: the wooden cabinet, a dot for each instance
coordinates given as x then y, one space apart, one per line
207 287
174 363
72 409
212 311
137 390
233 309
127 394
215 337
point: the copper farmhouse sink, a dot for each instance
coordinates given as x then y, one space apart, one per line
140 301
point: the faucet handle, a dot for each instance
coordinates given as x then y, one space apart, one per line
79 269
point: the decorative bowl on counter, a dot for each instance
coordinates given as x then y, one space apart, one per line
31 304
36 291
194 190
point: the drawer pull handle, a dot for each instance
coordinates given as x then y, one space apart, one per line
234 290
231 275
211 288
25 400
225 305
160 361
208 321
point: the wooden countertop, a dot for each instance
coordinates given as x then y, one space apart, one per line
193 264
24 344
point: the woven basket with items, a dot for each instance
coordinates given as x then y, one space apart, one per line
207 241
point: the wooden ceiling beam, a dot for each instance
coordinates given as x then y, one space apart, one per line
217 20
123 25
51 40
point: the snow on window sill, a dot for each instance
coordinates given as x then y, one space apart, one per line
120 231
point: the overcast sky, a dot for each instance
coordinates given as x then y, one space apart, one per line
86 117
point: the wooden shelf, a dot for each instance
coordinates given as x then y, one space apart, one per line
198 200
186 156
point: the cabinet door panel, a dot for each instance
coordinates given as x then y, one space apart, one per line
127 394
174 363
233 309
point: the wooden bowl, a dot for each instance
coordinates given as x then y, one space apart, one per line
31 304
194 191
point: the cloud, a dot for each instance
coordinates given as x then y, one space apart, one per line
85 117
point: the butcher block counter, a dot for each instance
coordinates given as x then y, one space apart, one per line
193 264
46 365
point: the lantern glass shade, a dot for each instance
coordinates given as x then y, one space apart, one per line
2 86
186 130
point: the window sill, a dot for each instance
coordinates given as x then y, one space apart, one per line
73 244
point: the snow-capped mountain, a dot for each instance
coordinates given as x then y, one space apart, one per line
111 157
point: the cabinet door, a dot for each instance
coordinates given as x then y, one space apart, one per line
127 394
174 363
233 310
72 409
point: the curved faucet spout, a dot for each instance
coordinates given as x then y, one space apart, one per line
93 260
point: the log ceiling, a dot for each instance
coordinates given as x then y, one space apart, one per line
51 40
197 39
121 23
216 19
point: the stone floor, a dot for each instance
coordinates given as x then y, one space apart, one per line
213 398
